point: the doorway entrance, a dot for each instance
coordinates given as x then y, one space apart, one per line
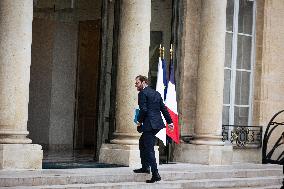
88 66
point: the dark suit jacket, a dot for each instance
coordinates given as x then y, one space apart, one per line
151 105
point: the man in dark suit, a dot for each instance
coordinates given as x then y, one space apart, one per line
150 122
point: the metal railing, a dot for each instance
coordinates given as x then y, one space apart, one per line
268 155
241 136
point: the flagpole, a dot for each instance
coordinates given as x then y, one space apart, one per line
160 51
167 151
167 141
171 52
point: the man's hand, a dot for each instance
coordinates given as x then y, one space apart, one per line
171 126
139 128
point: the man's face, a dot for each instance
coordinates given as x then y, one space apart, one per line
139 84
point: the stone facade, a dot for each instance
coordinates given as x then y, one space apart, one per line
269 67
200 72
268 82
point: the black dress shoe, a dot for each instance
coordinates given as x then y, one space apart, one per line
156 177
141 170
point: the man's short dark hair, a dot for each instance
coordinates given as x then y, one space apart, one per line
142 78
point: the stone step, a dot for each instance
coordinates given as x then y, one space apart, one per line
229 183
238 182
105 186
264 187
87 176
171 173
253 187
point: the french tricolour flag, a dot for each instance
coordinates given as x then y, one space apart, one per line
161 87
171 104
162 83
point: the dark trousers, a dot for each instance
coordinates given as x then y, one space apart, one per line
147 152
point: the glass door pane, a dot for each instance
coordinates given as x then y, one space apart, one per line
245 16
244 52
242 88
241 115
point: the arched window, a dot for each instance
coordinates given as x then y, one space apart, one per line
239 62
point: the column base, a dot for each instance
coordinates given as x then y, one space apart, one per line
203 154
212 140
121 154
20 156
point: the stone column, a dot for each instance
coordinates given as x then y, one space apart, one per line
210 80
188 66
207 145
133 60
15 58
